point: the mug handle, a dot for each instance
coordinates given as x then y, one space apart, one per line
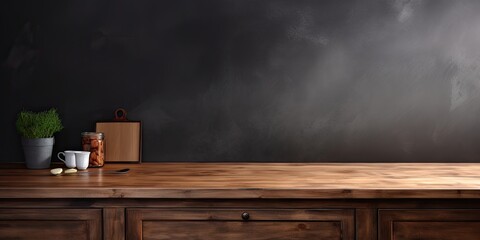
63 160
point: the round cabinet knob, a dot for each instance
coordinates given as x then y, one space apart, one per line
245 216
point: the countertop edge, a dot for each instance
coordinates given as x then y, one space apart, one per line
146 193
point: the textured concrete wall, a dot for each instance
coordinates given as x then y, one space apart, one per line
230 80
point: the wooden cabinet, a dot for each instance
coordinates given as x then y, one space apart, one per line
239 224
429 224
132 219
244 201
71 224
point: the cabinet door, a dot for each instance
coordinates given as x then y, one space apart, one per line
240 224
429 224
68 224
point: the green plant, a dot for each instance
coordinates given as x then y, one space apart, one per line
38 125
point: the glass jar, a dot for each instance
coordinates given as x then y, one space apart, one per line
94 143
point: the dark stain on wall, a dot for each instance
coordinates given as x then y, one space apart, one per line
273 80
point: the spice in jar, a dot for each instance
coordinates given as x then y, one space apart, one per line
94 143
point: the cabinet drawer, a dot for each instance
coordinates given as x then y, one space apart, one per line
68 224
429 224
239 224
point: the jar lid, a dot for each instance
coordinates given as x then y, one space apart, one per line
92 134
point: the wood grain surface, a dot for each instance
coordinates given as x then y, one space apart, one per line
229 224
51 224
250 181
114 223
431 224
122 141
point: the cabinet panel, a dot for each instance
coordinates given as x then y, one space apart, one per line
235 224
69 224
429 224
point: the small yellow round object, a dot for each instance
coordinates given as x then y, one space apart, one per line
56 171
71 170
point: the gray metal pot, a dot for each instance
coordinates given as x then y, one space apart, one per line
38 152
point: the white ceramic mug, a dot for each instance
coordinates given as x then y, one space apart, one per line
81 159
68 158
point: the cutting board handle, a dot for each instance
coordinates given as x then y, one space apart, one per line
120 115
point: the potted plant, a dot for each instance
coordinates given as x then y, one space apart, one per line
37 131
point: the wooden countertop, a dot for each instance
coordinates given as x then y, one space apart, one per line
251 180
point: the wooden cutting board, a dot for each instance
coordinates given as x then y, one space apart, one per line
123 138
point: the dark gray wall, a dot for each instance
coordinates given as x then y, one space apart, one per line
248 80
